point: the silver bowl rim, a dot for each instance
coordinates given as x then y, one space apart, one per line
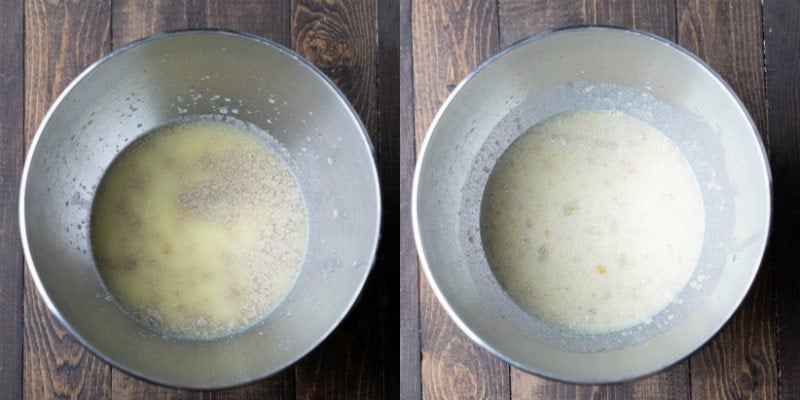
190 32
424 148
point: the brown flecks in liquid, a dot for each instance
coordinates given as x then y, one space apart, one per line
235 292
246 195
121 207
130 264
153 316
593 230
558 176
543 253
138 183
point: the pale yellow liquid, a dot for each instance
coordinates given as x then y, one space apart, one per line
593 221
199 229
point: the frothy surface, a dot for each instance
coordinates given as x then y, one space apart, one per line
593 221
199 228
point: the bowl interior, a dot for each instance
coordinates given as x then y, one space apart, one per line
577 69
156 81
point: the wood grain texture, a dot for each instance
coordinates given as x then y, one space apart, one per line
657 17
450 38
136 19
61 38
388 106
132 20
125 386
339 37
410 361
11 151
279 387
782 48
740 362
57 366
519 19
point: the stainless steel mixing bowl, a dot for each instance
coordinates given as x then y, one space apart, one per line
560 71
144 85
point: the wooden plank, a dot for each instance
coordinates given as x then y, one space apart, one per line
55 365
657 17
518 20
133 20
450 38
339 37
136 19
280 386
61 39
782 51
125 386
277 387
410 360
11 151
740 362
388 107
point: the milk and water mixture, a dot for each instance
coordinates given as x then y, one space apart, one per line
199 228
593 221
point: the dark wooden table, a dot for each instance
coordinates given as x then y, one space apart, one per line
44 44
756 48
